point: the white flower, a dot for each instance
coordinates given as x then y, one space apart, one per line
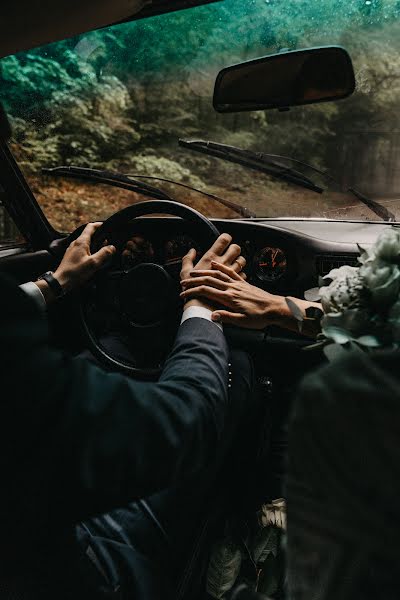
382 279
362 304
341 273
343 291
387 246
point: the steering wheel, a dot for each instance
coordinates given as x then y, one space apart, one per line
140 305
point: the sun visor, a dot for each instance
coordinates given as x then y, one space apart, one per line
25 24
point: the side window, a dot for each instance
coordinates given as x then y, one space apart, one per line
9 233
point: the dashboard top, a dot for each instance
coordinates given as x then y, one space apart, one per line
306 248
349 232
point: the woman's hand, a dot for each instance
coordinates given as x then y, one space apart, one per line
247 305
223 251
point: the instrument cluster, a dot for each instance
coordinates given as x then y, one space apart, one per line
168 252
265 264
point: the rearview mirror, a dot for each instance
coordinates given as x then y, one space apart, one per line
285 79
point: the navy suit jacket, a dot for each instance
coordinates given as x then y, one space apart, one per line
76 441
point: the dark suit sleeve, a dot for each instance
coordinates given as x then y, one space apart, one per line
103 439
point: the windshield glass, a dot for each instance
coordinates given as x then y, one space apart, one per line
121 97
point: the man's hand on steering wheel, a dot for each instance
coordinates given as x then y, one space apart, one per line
224 252
78 264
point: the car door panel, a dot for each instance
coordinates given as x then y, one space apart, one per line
23 265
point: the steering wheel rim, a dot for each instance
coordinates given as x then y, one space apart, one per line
206 234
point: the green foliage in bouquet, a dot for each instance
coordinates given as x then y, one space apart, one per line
361 305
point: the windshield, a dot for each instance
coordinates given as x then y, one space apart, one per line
120 99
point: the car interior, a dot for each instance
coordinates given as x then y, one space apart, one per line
136 298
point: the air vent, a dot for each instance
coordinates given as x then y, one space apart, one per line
327 262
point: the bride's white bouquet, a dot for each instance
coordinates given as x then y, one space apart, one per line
361 305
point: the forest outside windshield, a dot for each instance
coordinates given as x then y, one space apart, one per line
120 99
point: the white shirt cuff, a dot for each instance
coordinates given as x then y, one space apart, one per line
35 293
200 312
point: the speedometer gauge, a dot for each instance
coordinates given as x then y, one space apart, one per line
270 264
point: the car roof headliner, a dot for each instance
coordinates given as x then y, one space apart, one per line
162 6
25 24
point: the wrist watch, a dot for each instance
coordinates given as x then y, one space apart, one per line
53 284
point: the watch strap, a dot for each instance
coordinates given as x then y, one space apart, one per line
53 284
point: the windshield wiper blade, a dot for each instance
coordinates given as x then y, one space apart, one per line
384 213
380 210
241 210
268 163
108 178
130 183
253 160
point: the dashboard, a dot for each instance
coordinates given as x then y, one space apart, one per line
267 264
284 257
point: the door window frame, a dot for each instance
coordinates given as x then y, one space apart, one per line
20 203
